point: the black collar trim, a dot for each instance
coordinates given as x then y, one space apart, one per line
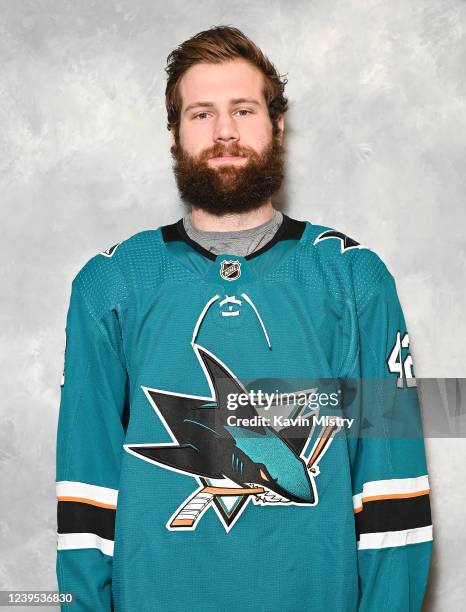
290 229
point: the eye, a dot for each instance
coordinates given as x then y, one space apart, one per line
265 475
204 114
244 110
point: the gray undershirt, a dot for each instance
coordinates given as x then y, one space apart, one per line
237 242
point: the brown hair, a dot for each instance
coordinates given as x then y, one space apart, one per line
215 45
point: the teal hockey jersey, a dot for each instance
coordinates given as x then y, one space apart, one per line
240 433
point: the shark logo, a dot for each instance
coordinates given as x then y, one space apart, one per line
346 243
232 464
110 251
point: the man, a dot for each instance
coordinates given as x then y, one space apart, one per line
185 480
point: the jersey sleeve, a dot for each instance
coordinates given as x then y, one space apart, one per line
90 435
388 462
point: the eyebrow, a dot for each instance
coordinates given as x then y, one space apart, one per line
210 104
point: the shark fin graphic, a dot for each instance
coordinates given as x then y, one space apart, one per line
226 385
295 436
183 458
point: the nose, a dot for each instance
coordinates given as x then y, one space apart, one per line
225 129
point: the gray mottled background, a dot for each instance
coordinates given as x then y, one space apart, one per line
376 147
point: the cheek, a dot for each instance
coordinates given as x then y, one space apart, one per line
194 138
258 140
256 134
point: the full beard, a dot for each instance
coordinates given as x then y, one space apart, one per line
229 188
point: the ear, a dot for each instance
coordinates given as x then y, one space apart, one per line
281 126
172 136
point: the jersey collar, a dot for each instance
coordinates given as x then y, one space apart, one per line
289 229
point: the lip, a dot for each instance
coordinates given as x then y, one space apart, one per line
226 158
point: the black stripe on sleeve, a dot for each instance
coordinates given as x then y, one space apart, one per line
395 514
77 517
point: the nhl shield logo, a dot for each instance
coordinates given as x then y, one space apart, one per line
230 270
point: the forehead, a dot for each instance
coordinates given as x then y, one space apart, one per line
219 83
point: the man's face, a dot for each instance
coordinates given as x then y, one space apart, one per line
228 157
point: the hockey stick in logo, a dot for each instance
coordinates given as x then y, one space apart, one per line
320 447
196 505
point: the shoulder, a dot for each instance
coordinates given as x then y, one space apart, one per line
357 264
106 277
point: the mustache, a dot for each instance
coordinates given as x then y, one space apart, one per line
220 151
180 155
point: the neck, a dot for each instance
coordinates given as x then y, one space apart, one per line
203 220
